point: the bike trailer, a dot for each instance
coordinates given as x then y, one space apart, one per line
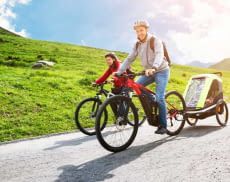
203 91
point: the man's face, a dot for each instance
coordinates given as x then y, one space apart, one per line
141 32
109 60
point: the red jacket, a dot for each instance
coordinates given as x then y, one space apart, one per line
113 68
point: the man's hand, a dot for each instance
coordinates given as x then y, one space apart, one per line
150 72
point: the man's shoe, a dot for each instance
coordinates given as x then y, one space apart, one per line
161 131
158 128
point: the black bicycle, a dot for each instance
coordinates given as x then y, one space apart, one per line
87 109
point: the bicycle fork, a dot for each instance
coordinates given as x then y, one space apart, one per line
121 110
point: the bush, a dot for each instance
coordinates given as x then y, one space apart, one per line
13 58
40 57
85 81
53 60
54 85
90 72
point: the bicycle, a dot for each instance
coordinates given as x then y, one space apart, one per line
118 134
87 109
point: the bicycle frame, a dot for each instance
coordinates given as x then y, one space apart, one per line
102 91
145 96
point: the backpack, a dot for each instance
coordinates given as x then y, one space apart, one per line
153 48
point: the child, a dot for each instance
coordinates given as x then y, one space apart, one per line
114 64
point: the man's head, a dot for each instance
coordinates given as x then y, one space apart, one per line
110 58
141 27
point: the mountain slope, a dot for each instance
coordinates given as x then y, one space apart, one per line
222 65
199 64
37 102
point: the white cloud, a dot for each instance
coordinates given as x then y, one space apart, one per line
202 29
192 30
7 15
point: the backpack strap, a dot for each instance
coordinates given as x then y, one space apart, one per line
167 55
137 44
152 46
151 43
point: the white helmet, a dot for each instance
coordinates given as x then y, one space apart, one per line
140 23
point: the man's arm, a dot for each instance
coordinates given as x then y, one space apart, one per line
127 62
159 53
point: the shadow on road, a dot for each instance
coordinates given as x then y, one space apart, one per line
72 142
75 142
198 131
99 169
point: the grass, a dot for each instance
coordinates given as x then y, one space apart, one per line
38 102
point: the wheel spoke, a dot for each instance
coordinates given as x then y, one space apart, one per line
85 115
175 116
118 134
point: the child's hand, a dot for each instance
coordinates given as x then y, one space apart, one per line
114 73
94 84
110 80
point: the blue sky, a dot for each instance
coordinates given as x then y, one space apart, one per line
192 30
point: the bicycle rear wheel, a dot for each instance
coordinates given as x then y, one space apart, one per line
85 116
175 112
118 133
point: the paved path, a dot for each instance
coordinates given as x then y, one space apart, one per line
200 153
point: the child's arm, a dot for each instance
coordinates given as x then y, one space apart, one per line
103 77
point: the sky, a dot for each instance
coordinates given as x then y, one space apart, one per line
192 30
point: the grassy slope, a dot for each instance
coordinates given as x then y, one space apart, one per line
37 102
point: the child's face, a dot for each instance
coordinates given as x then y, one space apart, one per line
141 32
109 61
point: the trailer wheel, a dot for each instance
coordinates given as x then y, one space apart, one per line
222 112
192 121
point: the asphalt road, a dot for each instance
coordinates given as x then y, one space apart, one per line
200 153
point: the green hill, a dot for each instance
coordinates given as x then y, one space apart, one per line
38 102
222 65
7 32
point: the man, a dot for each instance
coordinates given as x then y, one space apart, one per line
155 65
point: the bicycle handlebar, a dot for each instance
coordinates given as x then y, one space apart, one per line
101 84
132 75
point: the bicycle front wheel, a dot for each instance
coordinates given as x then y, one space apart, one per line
85 116
175 112
118 133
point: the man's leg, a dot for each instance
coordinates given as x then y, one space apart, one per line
161 79
145 80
